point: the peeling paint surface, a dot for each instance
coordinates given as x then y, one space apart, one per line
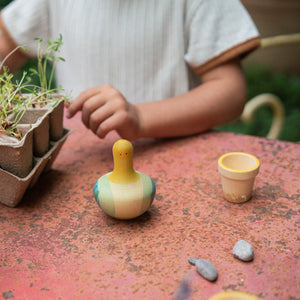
58 244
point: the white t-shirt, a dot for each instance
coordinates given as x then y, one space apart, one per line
147 49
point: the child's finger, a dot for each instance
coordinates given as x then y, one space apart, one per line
99 116
77 103
90 106
107 125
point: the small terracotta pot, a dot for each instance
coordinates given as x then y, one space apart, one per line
238 171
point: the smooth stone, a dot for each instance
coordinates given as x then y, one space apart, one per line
192 260
206 269
243 250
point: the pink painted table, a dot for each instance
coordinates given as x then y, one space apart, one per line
58 244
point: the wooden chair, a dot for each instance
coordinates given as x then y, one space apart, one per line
268 99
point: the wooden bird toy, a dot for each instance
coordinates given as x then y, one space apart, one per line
124 193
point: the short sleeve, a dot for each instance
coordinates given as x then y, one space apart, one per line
26 20
218 31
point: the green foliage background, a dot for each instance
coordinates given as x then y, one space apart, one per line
260 80
4 3
287 88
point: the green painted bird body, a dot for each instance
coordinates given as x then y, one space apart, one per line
124 193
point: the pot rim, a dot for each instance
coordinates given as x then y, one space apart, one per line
223 166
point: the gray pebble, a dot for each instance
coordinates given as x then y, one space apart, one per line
243 250
206 269
192 260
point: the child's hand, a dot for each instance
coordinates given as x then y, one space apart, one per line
104 109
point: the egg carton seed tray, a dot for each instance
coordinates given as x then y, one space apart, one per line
39 127
13 187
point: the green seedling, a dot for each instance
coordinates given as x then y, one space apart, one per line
17 96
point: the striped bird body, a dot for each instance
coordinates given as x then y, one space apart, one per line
124 201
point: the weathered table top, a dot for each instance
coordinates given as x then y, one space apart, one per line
58 244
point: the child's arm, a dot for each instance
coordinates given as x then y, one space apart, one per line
7 45
219 99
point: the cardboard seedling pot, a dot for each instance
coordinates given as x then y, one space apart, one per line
13 187
55 109
17 156
56 121
39 121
